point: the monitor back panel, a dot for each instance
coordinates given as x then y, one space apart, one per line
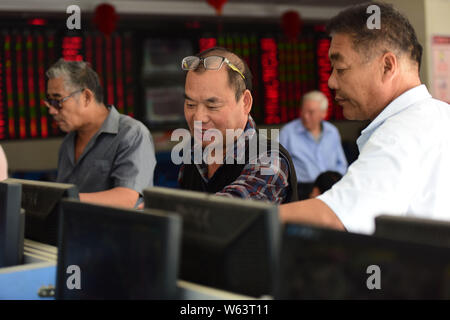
11 224
413 229
325 264
121 254
41 201
230 244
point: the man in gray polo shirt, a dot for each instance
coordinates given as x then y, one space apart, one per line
110 157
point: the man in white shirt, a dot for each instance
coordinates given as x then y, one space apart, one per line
403 166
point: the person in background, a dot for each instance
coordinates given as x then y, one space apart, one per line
109 156
402 168
313 143
3 165
324 182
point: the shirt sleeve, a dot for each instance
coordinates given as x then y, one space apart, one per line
135 160
267 179
381 181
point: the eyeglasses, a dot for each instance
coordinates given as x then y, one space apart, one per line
57 103
210 63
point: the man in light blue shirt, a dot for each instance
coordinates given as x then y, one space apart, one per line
313 143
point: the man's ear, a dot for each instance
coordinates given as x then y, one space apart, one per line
390 65
248 101
88 96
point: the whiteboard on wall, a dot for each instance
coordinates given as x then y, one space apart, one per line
440 50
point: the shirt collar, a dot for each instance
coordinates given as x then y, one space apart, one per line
111 123
250 123
301 128
402 102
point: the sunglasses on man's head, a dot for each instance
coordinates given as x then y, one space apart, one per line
210 63
57 103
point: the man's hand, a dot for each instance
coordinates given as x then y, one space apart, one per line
116 197
312 211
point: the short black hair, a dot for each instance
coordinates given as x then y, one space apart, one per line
234 78
326 180
395 33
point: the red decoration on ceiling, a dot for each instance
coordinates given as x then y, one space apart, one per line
292 24
105 18
37 22
217 4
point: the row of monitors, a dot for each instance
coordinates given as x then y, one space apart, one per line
231 244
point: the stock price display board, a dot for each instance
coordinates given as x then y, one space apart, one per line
26 54
283 71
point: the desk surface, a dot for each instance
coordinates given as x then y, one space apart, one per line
23 283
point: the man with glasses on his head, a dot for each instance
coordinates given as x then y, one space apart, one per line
218 98
108 156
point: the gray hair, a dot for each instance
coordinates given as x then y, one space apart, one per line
316 96
77 75
235 80
395 34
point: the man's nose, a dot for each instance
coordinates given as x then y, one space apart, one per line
51 110
201 114
332 83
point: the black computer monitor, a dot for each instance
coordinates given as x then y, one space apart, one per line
321 263
41 201
120 253
227 243
11 224
413 229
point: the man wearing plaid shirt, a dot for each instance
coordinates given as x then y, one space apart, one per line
218 98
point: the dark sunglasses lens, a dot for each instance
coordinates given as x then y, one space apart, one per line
54 103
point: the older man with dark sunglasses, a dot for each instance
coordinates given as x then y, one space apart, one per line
218 99
110 157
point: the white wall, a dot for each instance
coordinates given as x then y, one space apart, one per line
414 11
437 22
429 18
